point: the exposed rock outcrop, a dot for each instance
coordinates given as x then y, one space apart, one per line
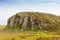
32 21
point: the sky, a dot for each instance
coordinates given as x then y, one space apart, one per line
11 7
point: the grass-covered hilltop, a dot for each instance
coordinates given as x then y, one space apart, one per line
33 21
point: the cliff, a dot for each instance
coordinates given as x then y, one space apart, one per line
33 21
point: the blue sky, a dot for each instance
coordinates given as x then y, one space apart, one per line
11 7
29 1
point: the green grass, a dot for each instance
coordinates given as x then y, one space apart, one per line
28 36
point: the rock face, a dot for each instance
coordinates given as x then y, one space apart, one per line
33 21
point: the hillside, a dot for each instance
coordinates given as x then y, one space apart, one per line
33 21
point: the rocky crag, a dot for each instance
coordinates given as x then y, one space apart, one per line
34 21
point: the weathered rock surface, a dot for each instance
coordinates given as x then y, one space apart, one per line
33 20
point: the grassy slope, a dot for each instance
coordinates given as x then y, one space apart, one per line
28 36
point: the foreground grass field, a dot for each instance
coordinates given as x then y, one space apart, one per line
2 27
17 35
10 35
